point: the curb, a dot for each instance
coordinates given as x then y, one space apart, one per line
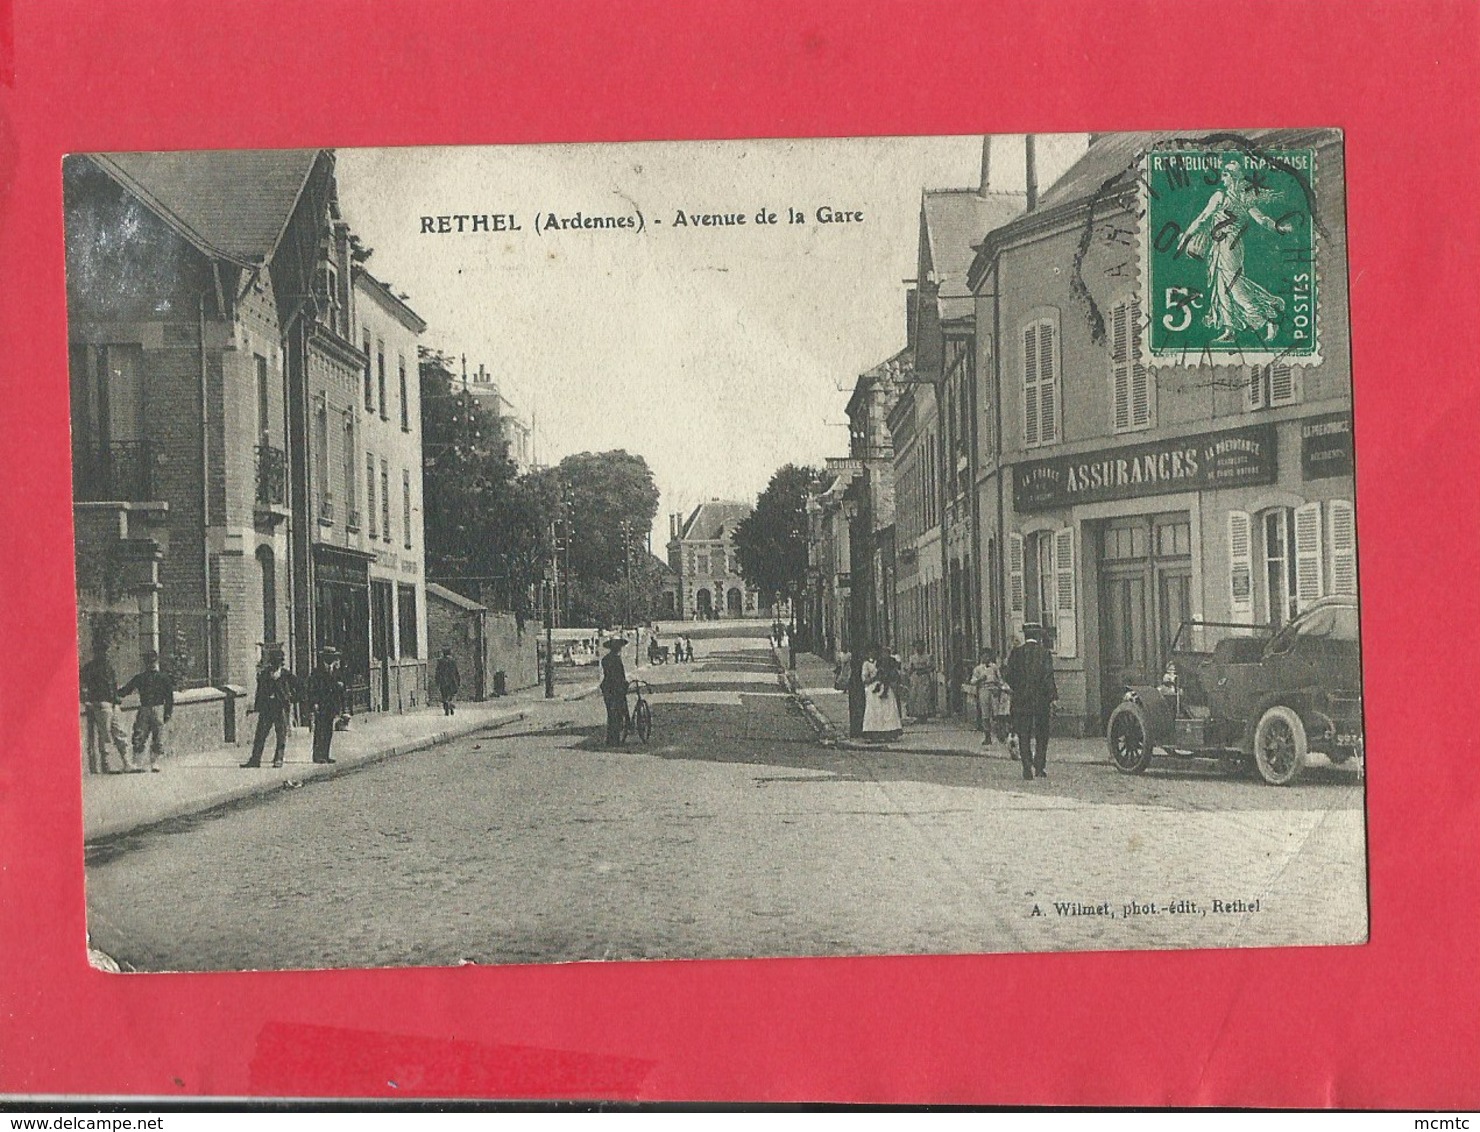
827 732
111 831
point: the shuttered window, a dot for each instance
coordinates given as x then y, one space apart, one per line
1240 566
1308 555
1271 386
1341 523
1016 589
1040 383
1130 381
1066 640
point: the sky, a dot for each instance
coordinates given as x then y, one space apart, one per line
718 353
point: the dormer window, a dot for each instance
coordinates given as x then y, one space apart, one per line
326 294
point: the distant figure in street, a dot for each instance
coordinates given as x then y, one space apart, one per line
986 684
277 690
614 691
688 648
1029 673
857 692
921 668
98 684
327 697
881 718
448 682
156 704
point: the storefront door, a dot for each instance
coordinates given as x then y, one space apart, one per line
1145 596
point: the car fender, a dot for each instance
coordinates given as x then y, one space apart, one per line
1297 700
1161 712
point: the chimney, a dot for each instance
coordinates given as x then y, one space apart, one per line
672 525
1031 159
986 182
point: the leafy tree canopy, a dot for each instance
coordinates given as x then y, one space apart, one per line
771 542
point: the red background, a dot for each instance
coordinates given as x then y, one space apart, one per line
1395 1023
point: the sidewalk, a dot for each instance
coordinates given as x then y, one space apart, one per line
116 804
827 708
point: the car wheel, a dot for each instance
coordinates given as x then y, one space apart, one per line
1279 746
1128 739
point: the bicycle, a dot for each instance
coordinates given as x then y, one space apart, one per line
640 718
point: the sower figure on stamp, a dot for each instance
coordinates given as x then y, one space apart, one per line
327 697
156 705
448 681
1029 673
277 690
614 691
98 682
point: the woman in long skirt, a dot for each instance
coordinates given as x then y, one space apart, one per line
921 666
881 718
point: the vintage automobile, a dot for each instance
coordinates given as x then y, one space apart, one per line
1245 695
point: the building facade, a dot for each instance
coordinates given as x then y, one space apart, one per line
1129 498
701 551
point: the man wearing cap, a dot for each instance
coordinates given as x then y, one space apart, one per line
326 695
1029 674
277 689
98 681
156 704
614 691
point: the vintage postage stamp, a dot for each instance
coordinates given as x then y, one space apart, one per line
1229 256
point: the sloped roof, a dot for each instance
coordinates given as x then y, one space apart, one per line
230 203
710 520
955 221
451 597
1111 155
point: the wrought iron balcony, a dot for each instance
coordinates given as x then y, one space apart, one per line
123 471
272 476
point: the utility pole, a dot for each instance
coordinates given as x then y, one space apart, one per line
551 584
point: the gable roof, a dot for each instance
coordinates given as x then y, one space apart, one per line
710 520
953 222
233 204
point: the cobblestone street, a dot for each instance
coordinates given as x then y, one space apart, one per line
733 833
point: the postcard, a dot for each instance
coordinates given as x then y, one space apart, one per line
685 550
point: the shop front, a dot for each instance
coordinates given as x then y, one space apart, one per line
1115 549
342 615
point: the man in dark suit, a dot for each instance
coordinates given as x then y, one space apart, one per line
156 705
614 691
448 681
327 697
1029 673
277 689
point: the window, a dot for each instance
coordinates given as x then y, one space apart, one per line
1130 381
406 615
267 569
704 562
1042 584
1293 556
326 292
385 500
321 461
405 401
1240 567
351 476
380 375
1341 521
1040 383
1272 386
406 508
369 377
370 492
264 407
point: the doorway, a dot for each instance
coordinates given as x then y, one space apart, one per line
1145 596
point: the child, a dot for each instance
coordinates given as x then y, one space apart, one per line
986 678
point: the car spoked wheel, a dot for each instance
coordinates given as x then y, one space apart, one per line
1126 734
1280 746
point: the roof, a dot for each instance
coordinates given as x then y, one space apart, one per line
955 220
659 566
711 520
234 204
453 598
1110 155
393 303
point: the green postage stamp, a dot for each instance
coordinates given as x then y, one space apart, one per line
1228 253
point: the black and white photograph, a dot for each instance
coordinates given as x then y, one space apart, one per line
715 549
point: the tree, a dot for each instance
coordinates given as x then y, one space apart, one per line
612 499
771 542
485 525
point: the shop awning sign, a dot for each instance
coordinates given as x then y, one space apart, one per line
1326 446
1202 462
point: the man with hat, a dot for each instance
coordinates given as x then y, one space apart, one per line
99 685
448 681
277 689
614 691
1029 674
156 704
327 697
